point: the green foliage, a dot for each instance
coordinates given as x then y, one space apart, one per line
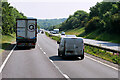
104 18
9 15
79 19
108 13
115 58
57 38
93 24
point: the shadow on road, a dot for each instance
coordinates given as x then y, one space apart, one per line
57 58
22 48
7 46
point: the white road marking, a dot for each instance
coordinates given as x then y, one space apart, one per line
51 61
102 63
55 65
44 52
86 57
66 76
4 63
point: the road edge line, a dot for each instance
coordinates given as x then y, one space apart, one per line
4 63
102 63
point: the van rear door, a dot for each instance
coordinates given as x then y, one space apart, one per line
73 46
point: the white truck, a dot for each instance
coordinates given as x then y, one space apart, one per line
71 46
56 31
26 32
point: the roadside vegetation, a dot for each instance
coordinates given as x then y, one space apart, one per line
57 38
108 56
8 30
101 23
6 41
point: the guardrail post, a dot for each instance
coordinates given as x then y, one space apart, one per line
113 53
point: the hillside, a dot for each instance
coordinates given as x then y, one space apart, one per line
46 23
99 24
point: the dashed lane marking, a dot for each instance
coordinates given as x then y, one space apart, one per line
56 66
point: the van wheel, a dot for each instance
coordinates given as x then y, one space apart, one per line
58 53
82 57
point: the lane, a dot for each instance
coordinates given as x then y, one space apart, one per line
104 44
75 68
30 63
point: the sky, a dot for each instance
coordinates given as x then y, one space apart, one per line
50 9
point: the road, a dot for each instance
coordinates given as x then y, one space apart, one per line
43 62
104 44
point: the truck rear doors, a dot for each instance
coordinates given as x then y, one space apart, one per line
26 31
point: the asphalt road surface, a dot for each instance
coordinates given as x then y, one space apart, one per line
43 62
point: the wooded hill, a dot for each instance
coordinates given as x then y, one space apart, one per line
49 23
104 17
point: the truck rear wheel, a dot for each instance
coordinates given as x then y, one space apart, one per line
82 57
58 53
63 55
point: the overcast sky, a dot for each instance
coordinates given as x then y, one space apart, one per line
49 9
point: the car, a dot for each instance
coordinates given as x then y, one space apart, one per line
42 32
70 35
71 46
53 32
62 33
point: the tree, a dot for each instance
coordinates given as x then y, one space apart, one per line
9 15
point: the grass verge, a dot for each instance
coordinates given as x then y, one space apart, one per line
6 41
109 56
96 35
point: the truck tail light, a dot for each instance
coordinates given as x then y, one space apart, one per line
33 43
19 43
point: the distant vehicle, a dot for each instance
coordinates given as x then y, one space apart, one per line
71 46
26 33
53 32
42 32
56 31
70 35
62 33
38 30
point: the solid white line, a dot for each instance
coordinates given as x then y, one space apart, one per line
51 61
66 76
102 63
4 63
